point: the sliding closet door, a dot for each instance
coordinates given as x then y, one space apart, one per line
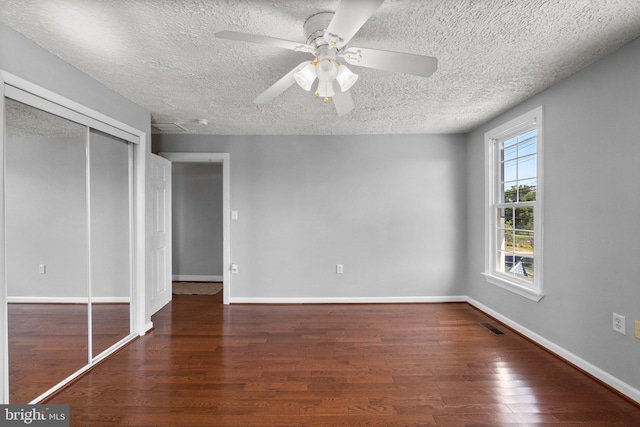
46 249
110 212
69 239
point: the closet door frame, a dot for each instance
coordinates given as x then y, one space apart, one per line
23 91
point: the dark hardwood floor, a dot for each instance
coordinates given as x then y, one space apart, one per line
49 342
110 323
206 364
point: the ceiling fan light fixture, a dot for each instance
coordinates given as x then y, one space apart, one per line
327 70
306 76
345 77
325 90
328 40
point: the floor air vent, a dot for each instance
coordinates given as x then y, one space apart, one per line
492 329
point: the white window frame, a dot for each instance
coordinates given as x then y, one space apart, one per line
523 123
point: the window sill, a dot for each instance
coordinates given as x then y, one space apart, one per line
514 287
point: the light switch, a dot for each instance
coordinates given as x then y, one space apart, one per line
234 215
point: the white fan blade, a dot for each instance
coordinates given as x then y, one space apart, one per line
269 41
407 63
278 87
343 102
348 19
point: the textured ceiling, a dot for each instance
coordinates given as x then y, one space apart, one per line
162 55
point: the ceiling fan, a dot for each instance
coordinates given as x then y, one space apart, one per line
328 35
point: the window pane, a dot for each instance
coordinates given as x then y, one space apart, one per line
510 153
506 261
511 141
521 267
516 254
509 171
508 217
510 192
523 241
505 240
527 135
527 147
527 264
527 190
526 167
524 218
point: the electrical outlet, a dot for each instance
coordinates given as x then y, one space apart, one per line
339 269
638 329
42 269
619 324
234 269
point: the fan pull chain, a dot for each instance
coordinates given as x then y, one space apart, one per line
326 90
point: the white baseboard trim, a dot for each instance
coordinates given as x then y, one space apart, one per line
614 382
346 300
68 300
148 327
192 278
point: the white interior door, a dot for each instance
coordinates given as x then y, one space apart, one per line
161 233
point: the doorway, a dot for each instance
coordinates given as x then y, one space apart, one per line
221 159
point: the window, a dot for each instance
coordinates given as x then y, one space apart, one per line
513 205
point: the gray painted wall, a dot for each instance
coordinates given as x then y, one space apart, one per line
197 219
591 204
390 208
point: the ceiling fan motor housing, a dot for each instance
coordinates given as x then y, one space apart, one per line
315 26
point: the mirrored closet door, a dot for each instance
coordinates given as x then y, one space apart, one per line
110 212
46 247
68 201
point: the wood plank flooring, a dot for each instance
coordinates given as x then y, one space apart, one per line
49 342
206 364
